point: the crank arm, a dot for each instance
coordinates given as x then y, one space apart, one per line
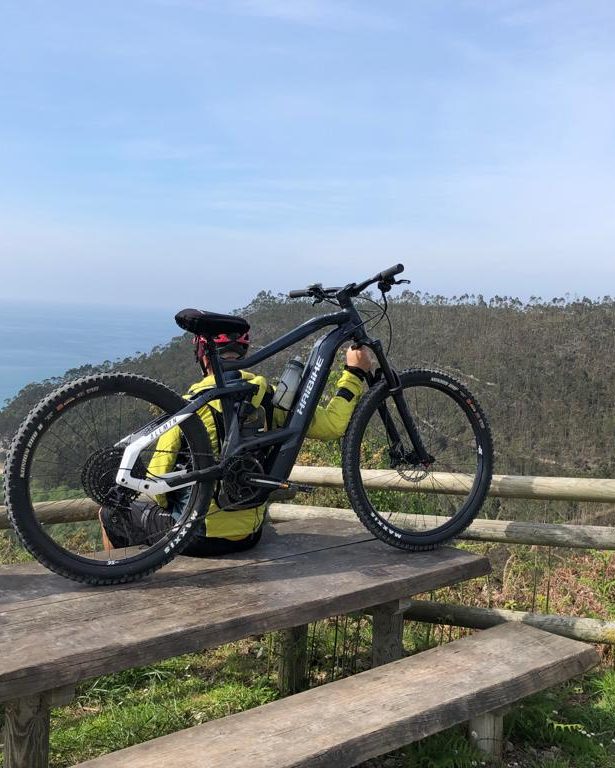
275 485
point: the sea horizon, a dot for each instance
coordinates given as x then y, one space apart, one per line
41 340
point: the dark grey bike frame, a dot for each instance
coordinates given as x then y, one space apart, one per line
349 326
287 439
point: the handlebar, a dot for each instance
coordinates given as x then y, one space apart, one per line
318 292
384 276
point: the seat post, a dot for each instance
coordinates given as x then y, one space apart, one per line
216 365
215 362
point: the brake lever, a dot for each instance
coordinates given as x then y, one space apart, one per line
384 286
320 294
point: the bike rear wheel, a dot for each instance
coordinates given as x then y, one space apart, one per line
411 504
61 469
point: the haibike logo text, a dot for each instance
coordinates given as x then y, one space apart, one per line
310 385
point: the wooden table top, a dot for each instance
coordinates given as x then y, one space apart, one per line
54 632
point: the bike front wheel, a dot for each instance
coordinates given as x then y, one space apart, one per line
411 503
61 471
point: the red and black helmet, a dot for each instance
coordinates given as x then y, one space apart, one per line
225 342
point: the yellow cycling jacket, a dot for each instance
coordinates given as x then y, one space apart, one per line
328 423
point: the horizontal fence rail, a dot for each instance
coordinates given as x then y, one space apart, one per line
589 630
67 511
504 531
504 486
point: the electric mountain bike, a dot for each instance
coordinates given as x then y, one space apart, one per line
416 457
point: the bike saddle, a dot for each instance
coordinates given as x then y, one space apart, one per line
203 323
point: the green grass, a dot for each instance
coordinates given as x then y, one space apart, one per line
78 537
116 711
575 721
11 551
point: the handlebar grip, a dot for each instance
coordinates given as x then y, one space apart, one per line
298 294
391 271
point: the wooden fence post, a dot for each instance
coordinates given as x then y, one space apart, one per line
292 662
387 633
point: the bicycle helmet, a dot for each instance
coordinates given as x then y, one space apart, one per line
237 343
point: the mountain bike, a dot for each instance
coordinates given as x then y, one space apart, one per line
416 457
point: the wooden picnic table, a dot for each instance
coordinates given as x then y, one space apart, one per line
55 633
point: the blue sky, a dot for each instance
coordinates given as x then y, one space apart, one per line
193 152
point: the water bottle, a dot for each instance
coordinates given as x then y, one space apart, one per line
286 390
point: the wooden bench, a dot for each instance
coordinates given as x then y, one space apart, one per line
351 720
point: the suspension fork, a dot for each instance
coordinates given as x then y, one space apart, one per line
395 390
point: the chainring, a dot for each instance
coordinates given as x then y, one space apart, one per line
234 488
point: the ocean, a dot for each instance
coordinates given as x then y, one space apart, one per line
40 340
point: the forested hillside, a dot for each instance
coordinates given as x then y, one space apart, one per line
544 371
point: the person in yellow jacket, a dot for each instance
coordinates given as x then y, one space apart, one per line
236 530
